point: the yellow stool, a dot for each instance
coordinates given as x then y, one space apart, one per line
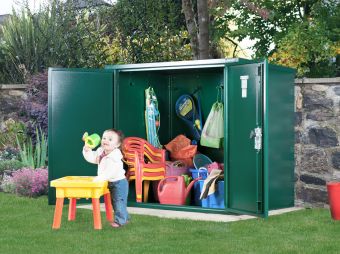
75 187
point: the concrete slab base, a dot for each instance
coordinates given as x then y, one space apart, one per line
193 215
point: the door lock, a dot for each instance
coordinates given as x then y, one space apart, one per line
258 139
257 134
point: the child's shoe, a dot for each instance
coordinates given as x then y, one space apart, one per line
115 225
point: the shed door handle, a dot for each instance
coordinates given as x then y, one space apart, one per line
257 134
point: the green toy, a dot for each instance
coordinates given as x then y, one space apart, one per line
187 180
92 140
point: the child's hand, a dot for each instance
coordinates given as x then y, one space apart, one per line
87 148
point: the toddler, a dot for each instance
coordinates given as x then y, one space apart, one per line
110 168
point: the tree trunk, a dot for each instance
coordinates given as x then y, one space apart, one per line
191 26
203 28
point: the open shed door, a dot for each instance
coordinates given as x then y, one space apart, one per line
79 101
245 176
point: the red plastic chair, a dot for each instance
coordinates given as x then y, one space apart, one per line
146 163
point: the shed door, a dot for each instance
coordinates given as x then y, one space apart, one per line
79 101
245 171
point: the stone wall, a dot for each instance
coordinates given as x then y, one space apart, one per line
317 133
10 96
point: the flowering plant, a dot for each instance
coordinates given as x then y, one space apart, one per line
30 182
7 184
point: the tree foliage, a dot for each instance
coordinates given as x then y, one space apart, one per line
149 31
311 46
301 34
56 35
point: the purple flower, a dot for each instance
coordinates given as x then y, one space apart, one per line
30 182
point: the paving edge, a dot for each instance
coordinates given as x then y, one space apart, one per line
193 215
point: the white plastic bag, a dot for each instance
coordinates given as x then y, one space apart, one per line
214 125
213 130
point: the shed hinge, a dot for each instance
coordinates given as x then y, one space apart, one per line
259 70
259 206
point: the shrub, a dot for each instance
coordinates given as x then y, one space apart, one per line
30 182
9 153
10 165
12 130
34 108
7 184
34 155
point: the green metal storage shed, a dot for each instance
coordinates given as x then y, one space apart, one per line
259 176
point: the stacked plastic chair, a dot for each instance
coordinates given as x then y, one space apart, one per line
146 163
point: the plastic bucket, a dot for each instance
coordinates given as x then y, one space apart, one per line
334 199
215 200
196 173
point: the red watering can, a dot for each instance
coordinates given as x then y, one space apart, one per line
173 191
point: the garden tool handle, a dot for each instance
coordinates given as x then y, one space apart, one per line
188 188
161 183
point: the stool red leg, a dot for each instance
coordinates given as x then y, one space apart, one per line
57 213
72 209
96 213
108 207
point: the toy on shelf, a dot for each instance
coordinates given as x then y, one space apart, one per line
92 140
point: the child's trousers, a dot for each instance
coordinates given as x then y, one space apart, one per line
119 192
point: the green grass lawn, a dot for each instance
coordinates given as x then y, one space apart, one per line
25 227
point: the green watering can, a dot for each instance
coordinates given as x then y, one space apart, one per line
92 140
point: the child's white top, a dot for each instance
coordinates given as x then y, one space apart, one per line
110 168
